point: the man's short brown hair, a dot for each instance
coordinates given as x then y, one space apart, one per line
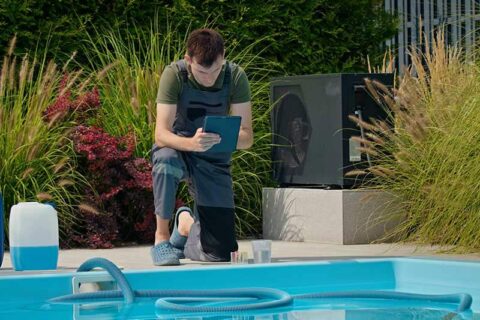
205 45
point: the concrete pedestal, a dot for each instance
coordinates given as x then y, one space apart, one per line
327 216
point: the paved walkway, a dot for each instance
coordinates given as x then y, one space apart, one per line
139 257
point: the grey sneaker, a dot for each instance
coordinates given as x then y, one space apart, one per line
164 254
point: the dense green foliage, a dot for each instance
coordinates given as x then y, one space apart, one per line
304 36
59 26
312 36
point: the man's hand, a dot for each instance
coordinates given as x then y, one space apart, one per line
202 141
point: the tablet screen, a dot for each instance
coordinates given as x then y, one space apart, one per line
227 127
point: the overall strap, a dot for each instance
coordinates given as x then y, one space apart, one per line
227 80
182 66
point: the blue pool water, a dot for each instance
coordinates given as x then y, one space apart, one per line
34 258
26 296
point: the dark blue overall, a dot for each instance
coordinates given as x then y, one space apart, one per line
212 236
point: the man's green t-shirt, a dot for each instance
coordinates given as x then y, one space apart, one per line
171 84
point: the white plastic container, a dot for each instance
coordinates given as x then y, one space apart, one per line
33 236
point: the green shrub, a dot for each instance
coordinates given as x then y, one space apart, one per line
132 65
304 36
60 26
430 161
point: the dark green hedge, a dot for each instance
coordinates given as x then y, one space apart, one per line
63 23
309 36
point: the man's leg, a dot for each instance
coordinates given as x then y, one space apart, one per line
167 172
181 227
185 222
212 236
162 232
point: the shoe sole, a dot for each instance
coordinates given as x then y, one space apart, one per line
170 262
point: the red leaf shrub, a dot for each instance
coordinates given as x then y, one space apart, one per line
100 148
81 108
121 182
98 230
88 101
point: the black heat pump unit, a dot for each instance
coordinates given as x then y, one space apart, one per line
312 133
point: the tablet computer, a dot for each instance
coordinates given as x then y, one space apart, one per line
225 126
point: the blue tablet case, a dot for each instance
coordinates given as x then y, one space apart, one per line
227 127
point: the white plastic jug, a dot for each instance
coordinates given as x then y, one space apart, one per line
33 236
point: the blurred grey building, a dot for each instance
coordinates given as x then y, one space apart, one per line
418 18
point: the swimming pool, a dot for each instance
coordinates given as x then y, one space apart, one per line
26 296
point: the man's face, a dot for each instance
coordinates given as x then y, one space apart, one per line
203 75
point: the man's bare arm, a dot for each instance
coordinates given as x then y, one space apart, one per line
245 136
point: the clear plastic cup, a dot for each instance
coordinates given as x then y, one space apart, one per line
262 251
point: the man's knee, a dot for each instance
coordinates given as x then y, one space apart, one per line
204 246
218 231
167 161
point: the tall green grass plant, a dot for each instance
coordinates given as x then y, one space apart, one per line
37 161
428 155
129 88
